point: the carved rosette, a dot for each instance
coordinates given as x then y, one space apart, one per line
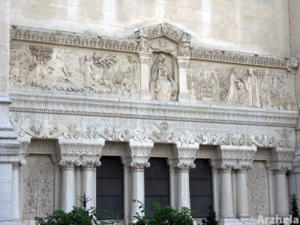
292 65
186 155
236 157
282 159
140 154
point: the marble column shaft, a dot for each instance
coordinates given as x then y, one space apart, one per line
281 192
68 187
226 194
242 194
183 188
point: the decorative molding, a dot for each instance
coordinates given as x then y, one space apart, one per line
19 33
226 56
25 102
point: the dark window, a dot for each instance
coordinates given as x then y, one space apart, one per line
110 188
201 188
156 184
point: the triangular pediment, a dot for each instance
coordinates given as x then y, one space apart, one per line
164 30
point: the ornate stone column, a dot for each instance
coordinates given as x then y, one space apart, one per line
271 196
183 62
282 162
91 154
186 155
145 59
139 156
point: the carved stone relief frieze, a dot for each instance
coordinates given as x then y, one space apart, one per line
233 85
67 70
258 190
38 186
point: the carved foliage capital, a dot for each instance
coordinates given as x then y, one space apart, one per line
292 65
282 159
183 61
140 154
237 157
186 155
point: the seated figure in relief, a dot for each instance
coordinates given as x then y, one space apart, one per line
162 85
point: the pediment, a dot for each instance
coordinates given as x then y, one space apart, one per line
165 38
164 30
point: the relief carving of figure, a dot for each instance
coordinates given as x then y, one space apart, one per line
232 94
252 85
162 85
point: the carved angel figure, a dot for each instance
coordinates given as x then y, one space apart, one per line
163 86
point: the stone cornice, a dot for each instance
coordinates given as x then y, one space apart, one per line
95 41
26 102
71 39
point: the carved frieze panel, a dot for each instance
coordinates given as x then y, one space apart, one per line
38 186
241 85
258 190
73 70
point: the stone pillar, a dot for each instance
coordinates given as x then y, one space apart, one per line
271 190
16 190
281 163
145 59
9 146
242 194
139 156
226 193
281 193
57 181
173 182
68 185
215 186
88 176
184 94
186 155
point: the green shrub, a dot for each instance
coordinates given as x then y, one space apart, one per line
164 216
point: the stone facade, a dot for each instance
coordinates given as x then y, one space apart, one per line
74 97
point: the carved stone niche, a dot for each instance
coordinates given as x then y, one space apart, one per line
165 43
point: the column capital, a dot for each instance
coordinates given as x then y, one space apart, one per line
145 57
139 154
237 157
80 154
185 155
282 159
183 61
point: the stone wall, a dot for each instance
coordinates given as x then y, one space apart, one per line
257 26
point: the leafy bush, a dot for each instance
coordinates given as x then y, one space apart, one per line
164 216
78 216
211 217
